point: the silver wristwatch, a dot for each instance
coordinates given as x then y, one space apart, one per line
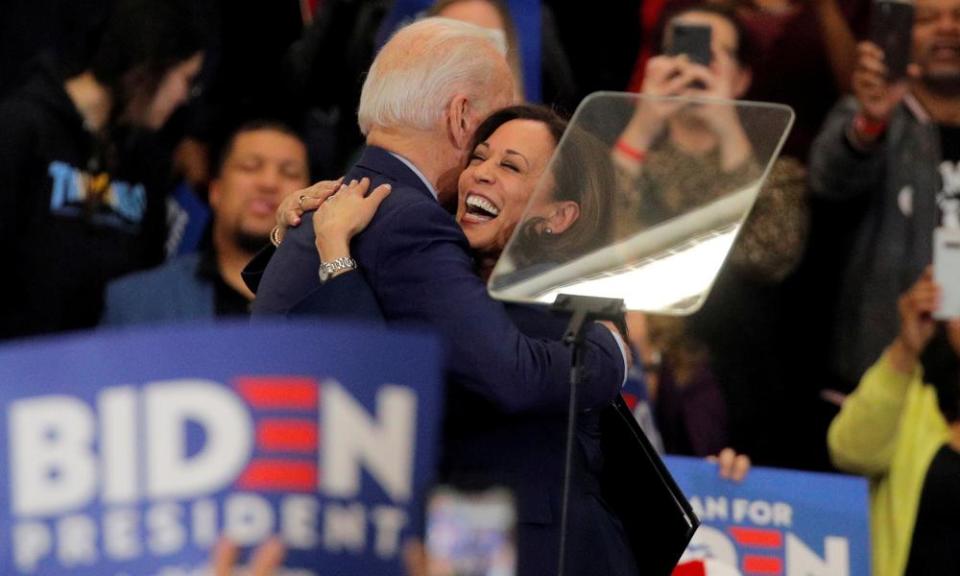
328 269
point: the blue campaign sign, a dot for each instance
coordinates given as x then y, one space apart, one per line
776 521
131 452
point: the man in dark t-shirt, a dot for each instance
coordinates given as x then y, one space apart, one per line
892 149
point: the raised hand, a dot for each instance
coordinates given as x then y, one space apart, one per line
731 466
876 95
917 325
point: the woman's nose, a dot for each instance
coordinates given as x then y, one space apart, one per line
483 172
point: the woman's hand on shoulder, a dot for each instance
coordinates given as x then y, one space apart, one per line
295 204
344 215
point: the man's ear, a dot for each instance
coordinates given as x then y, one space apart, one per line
561 216
215 193
458 121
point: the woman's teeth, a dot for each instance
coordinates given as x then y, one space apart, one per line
480 206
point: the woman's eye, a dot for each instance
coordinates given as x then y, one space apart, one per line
474 158
511 167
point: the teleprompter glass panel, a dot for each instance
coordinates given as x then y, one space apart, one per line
643 201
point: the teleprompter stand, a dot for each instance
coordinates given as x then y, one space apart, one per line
657 518
582 310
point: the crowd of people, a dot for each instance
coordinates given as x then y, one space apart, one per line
166 147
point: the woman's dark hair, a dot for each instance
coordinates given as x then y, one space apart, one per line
745 51
554 123
142 41
582 173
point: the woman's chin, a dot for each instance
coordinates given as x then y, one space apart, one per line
482 242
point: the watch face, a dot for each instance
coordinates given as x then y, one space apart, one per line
328 269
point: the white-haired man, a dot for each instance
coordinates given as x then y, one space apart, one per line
427 91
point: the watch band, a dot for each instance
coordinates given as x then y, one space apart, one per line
328 269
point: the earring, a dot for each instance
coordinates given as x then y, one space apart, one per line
548 231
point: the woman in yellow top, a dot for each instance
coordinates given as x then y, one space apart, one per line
903 433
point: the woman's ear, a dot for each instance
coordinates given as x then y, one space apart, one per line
742 82
561 216
458 121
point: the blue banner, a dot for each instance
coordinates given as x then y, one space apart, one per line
131 452
776 521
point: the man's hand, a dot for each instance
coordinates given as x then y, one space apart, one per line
266 559
877 97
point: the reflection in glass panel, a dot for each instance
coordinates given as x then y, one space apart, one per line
660 197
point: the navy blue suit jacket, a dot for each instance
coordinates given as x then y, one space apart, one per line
506 406
417 263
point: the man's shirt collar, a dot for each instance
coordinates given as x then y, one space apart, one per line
416 171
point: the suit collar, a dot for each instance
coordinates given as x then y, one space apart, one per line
385 163
415 170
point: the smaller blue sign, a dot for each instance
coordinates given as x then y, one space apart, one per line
776 521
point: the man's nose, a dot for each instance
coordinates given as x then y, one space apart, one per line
269 178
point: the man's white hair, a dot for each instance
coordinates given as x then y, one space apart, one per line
421 69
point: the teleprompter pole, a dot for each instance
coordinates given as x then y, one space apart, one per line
583 309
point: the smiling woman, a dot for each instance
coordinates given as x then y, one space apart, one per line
494 189
511 151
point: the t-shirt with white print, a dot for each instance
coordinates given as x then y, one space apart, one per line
948 199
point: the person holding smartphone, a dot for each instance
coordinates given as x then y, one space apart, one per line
901 428
890 153
706 54
708 362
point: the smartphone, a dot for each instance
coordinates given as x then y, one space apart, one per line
471 533
946 271
694 40
891 28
